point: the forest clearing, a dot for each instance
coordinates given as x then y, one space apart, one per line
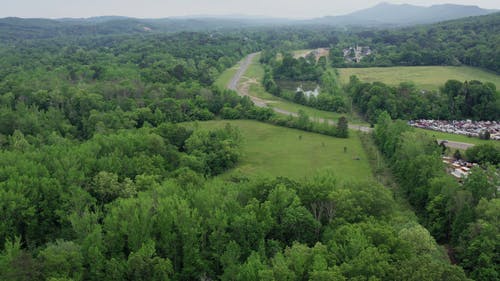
272 151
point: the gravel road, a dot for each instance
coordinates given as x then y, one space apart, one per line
243 90
233 84
457 145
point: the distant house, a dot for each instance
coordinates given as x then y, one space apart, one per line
356 54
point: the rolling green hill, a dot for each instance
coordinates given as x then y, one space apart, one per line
404 15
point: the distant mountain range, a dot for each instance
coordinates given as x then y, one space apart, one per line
18 28
385 14
381 15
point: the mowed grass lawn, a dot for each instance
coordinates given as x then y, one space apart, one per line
274 151
425 77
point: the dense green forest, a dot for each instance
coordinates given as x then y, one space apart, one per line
97 84
101 179
472 41
88 131
463 216
184 229
455 101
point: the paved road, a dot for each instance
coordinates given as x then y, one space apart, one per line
242 90
457 145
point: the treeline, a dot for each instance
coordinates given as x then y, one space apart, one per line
471 41
81 115
303 69
483 154
463 216
186 228
455 101
304 122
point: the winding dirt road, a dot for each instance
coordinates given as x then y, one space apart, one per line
243 90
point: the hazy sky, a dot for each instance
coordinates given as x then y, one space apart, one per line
167 8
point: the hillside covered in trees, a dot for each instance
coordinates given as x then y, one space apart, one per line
101 178
98 183
464 216
471 41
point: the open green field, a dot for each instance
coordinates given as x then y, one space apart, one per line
425 77
277 151
255 73
455 137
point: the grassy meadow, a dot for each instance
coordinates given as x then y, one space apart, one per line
274 151
425 77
